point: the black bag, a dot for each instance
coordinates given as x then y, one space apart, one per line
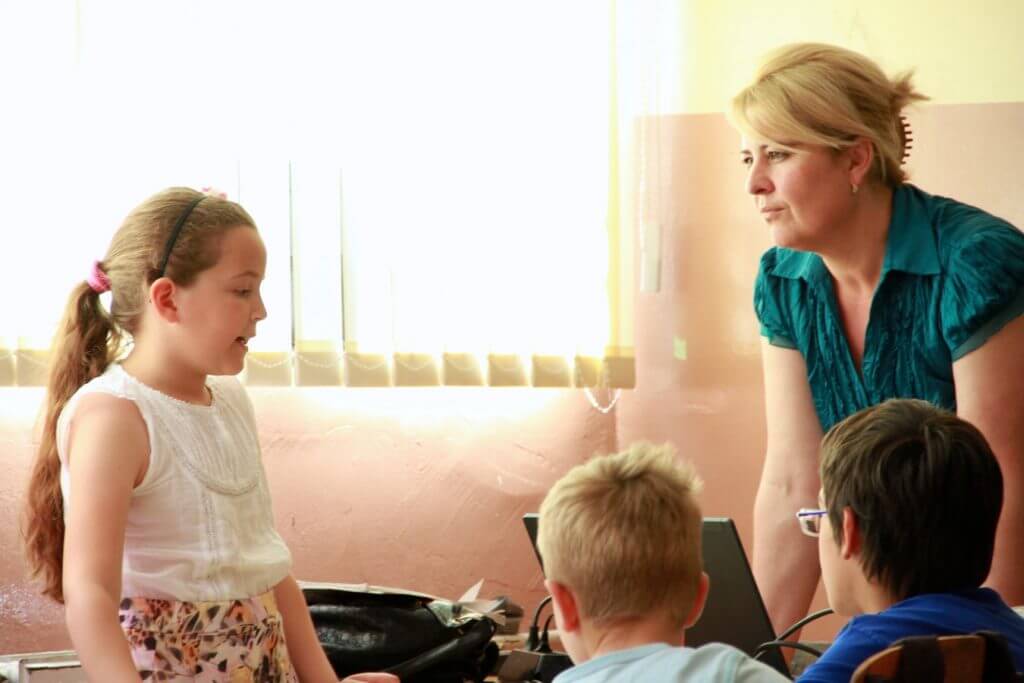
418 638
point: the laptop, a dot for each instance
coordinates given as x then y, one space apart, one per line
734 613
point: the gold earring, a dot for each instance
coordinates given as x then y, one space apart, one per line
854 187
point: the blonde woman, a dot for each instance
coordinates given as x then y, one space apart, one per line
875 290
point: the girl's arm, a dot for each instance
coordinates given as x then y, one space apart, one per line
306 653
988 384
785 561
109 451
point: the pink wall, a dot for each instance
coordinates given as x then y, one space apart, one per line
424 488
416 488
421 488
27 620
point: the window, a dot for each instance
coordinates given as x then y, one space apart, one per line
437 183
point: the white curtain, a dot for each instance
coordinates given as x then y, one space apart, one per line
445 189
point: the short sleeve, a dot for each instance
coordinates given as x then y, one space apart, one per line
767 305
983 288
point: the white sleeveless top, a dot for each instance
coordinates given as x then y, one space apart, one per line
200 525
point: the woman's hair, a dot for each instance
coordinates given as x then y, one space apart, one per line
89 337
812 93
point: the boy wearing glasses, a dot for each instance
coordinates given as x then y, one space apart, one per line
911 496
621 541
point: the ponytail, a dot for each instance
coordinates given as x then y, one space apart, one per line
903 92
86 341
89 337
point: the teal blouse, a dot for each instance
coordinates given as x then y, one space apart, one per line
953 275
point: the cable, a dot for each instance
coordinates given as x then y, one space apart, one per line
806 620
533 639
544 646
779 644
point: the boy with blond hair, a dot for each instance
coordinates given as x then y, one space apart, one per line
620 537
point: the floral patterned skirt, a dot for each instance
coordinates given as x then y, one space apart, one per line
207 642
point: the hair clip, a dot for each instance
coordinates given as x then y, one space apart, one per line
214 192
906 139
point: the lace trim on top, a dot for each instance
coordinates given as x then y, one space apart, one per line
218 450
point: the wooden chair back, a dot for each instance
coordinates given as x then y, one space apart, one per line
976 658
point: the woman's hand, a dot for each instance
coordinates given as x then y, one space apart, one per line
371 678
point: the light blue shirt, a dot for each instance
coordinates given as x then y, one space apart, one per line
658 662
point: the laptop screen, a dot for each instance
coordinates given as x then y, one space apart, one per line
734 613
530 520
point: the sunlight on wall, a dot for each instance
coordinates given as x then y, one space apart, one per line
428 407
20 405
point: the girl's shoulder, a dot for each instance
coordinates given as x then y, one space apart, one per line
114 381
109 417
102 410
109 391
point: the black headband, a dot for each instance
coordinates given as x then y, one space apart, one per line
175 232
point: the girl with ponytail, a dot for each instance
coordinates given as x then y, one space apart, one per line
148 513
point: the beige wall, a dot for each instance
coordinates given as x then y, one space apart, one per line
961 52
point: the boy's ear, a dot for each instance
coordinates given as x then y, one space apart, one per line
161 293
565 606
851 535
699 600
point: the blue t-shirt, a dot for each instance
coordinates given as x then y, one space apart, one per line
660 662
942 614
953 276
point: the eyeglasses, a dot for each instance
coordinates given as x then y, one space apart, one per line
810 521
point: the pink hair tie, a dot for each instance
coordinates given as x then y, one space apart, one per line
214 192
97 279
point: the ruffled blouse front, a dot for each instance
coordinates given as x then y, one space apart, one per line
953 276
200 525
